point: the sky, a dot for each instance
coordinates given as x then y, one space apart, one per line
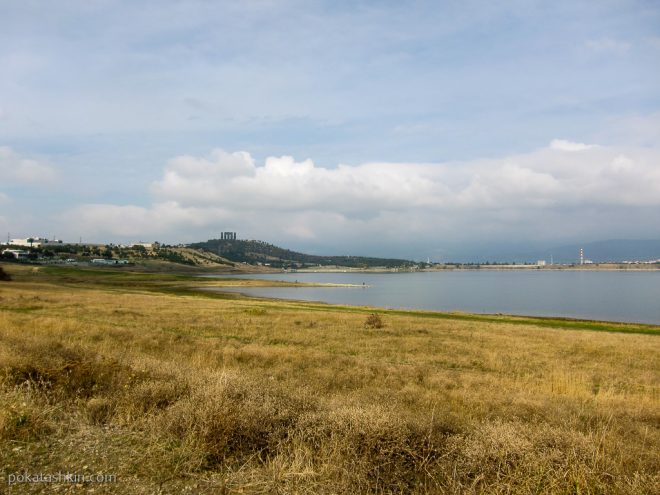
412 129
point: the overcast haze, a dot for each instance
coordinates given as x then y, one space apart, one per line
408 129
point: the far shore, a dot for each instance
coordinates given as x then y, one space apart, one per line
466 267
158 266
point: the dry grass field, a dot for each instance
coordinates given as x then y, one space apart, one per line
132 375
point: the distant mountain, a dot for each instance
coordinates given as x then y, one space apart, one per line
262 252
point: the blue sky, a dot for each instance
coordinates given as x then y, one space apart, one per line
431 121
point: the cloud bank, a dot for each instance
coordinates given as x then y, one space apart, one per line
564 188
15 168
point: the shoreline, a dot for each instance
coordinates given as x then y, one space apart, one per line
444 268
194 285
538 320
240 269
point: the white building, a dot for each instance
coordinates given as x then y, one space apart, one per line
18 254
33 242
146 245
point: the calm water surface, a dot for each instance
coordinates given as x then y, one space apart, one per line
598 295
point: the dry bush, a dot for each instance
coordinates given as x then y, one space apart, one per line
24 426
234 420
67 375
64 372
23 419
373 449
155 395
134 403
511 456
103 386
374 320
230 419
99 410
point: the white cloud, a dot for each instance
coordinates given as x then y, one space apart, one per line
16 168
4 198
137 221
609 45
284 184
381 202
563 145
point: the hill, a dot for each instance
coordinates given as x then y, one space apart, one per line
242 251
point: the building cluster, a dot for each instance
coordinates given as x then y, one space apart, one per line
33 242
43 242
227 236
36 242
22 254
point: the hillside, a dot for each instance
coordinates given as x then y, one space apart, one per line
159 254
241 251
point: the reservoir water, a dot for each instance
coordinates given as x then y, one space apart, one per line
628 296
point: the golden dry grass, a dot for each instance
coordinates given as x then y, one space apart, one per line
184 394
